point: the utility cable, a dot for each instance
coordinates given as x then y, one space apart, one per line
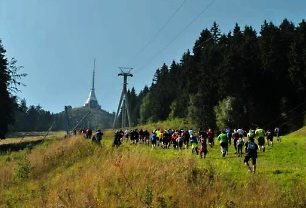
180 33
160 30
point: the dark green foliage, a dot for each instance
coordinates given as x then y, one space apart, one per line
265 75
134 106
6 103
32 118
9 76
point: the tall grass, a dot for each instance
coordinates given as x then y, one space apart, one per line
75 172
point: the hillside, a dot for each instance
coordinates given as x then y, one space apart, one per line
97 118
74 172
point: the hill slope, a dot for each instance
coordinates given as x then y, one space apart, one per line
74 172
97 118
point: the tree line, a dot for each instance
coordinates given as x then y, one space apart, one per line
36 119
31 118
239 79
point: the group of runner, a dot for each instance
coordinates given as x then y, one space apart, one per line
198 141
93 136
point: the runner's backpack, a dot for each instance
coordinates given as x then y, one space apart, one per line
251 145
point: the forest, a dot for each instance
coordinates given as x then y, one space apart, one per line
240 79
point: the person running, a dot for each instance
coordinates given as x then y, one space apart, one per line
158 136
228 132
269 135
203 147
190 132
97 137
118 138
179 140
251 153
277 134
174 139
235 136
134 137
141 136
241 133
194 144
211 135
127 134
239 145
88 133
260 133
223 143
146 137
187 136
153 139
166 139
203 133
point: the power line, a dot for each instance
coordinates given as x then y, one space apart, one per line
160 29
180 33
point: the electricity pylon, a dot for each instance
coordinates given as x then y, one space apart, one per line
123 103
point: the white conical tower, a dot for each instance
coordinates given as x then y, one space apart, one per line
92 101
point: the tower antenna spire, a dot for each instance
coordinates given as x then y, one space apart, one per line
93 75
123 103
92 101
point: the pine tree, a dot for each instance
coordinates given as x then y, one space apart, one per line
6 104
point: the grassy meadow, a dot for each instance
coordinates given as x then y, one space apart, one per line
74 172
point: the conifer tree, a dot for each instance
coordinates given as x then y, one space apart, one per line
6 104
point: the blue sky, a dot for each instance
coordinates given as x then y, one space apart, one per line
56 41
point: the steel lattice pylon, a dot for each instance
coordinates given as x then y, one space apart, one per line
123 103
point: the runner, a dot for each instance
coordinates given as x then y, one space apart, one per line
174 139
97 137
235 136
179 140
118 137
269 135
153 139
187 136
223 143
194 145
241 133
211 135
228 132
251 153
277 134
146 137
203 147
166 139
260 133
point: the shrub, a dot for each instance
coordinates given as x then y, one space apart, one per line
23 169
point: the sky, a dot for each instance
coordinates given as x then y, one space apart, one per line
56 41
